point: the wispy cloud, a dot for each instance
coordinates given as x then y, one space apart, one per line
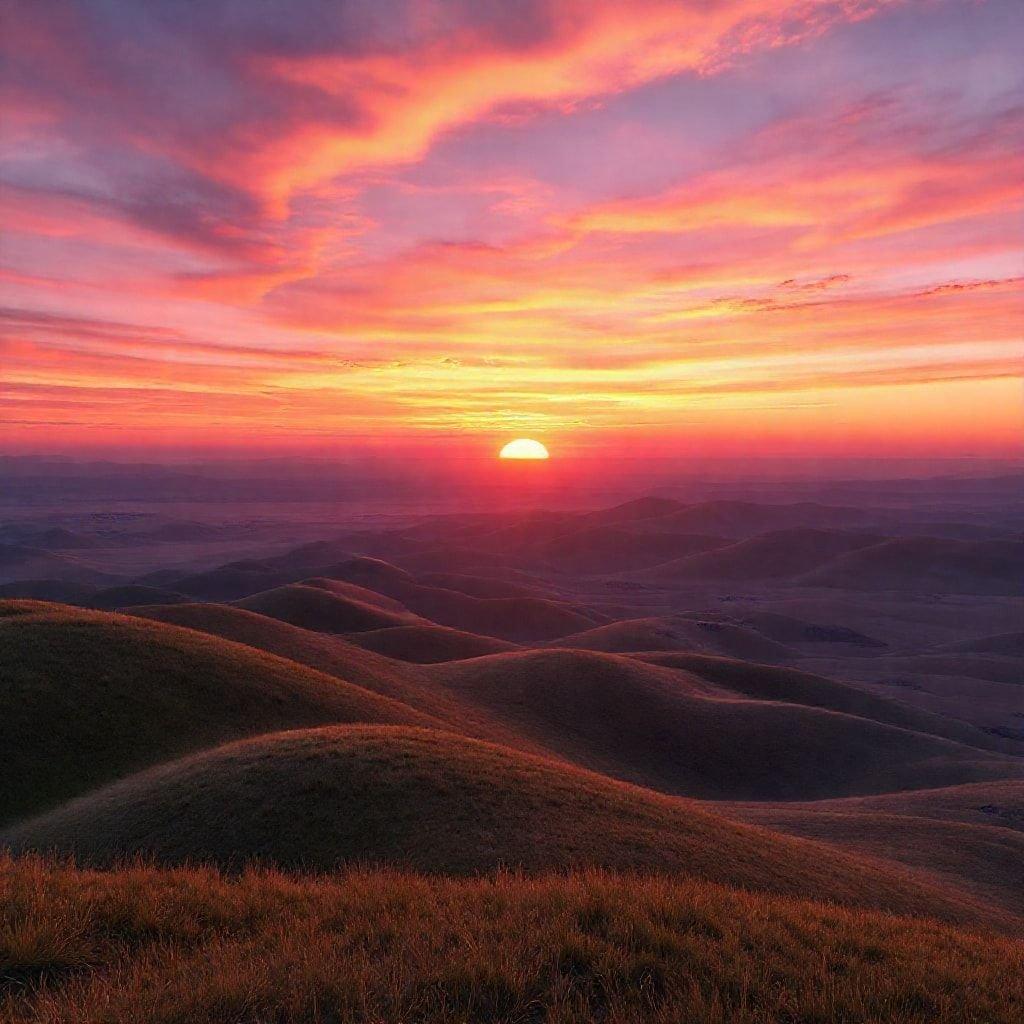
456 216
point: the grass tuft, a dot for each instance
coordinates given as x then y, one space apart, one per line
169 946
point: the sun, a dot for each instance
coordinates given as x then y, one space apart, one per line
523 448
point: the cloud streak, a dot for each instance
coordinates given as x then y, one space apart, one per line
414 216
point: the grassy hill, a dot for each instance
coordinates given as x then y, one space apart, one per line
507 618
429 644
981 858
679 633
927 564
608 549
229 582
434 802
342 658
997 804
315 607
667 729
112 598
86 697
59 591
775 683
21 562
483 586
168 946
1008 644
781 554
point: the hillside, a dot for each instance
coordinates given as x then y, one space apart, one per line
511 618
768 682
89 696
228 582
52 538
429 644
997 805
787 629
318 608
980 858
742 519
609 549
1010 645
342 658
356 593
679 633
20 562
672 731
485 586
167 946
781 554
925 564
433 802
59 591
112 598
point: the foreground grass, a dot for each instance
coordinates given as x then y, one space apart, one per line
191 945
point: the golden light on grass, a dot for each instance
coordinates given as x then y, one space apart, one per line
523 448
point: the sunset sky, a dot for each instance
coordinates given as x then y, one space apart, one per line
726 226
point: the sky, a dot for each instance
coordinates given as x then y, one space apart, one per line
714 227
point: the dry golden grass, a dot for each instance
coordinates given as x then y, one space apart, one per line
190 945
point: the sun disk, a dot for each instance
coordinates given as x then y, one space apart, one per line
523 448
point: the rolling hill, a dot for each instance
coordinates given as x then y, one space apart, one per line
19 562
319 608
1004 644
229 582
53 538
997 804
789 630
59 591
112 598
672 731
679 633
611 549
773 683
974 856
742 519
429 644
433 802
86 697
928 564
782 554
483 586
513 618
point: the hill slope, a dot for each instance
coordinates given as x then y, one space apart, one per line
1005 644
429 644
319 608
769 682
89 696
983 859
19 562
927 564
781 554
670 730
679 633
507 618
342 658
167 946
434 802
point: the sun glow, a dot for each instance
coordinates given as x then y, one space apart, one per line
523 448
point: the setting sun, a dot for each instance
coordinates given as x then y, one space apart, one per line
523 448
